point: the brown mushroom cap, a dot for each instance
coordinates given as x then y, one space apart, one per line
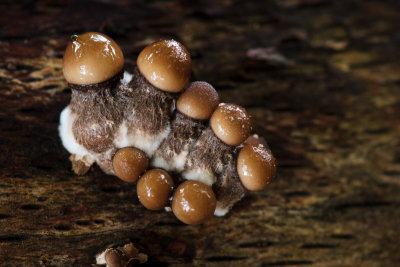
129 163
231 123
154 189
256 166
193 202
92 58
198 101
166 64
255 139
113 258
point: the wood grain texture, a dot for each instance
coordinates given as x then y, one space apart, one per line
321 81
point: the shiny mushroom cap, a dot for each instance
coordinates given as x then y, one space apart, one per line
231 124
193 202
91 58
198 101
255 139
154 189
129 163
256 166
166 64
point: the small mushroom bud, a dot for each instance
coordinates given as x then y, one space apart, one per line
255 166
166 64
91 58
198 101
129 163
114 258
154 189
193 202
255 139
231 124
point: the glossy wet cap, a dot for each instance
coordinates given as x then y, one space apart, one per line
129 163
255 139
166 64
92 58
154 189
231 124
198 101
256 166
193 202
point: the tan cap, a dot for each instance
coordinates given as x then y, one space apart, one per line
231 124
255 139
154 189
193 202
91 58
255 166
129 163
198 101
166 64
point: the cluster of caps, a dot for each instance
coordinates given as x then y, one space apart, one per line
193 202
93 58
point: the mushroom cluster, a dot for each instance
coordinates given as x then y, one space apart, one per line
186 151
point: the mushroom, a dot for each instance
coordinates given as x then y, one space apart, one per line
129 163
198 101
114 258
136 114
255 139
93 67
91 58
229 188
122 256
256 166
163 69
166 64
193 202
154 189
194 107
229 126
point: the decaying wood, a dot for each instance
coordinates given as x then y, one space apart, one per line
321 81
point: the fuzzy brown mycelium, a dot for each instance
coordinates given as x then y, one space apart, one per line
194 106
148 113
152 117
228 188
172 153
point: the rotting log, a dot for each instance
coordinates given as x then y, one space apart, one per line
321 81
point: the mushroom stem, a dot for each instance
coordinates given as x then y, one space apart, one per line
173 151
110 83
207 158
228 188
153 106
98 117
148 112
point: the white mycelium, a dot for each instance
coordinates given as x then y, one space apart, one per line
67 118
137 138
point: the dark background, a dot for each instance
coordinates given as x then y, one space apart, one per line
320 79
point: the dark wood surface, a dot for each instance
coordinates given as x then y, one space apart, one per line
321 81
